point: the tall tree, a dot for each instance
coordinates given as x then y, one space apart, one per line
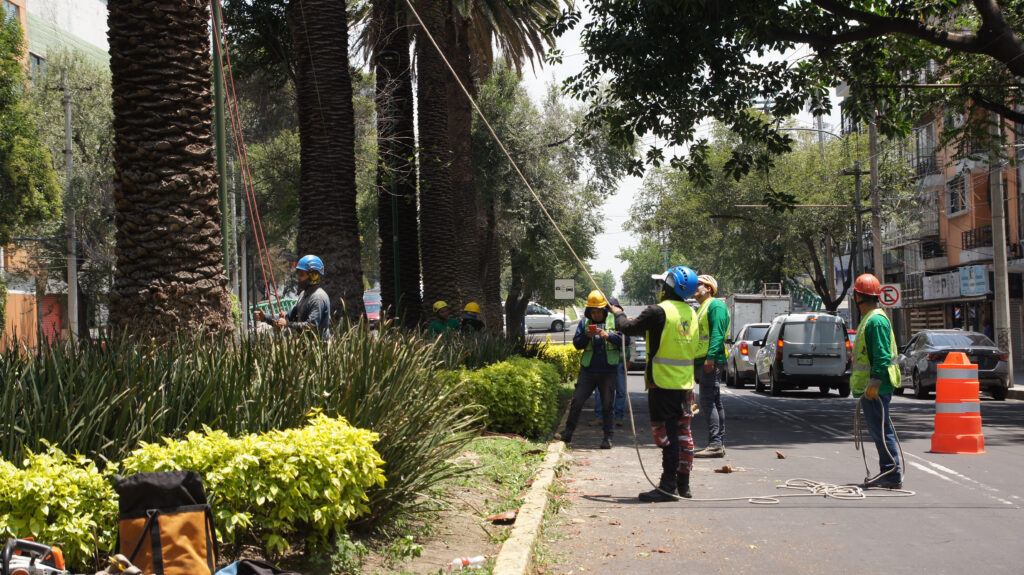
396 181
328 222
170 271
438 230
660 68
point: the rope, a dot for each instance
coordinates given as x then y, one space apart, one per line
228 79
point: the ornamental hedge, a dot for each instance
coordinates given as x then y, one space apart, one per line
520 395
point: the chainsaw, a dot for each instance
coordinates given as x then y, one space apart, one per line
24 557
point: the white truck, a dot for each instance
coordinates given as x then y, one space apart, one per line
747 308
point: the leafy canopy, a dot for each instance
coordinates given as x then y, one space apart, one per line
660 67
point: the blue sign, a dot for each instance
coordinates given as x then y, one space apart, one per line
973 281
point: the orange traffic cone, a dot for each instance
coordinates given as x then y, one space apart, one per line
957 409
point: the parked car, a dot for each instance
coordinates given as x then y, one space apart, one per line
927 349
539 318
637 354
740 365
803 350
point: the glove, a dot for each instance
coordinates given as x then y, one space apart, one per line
872 391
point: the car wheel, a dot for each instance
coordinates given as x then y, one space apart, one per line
737 381
823 389
919 391
774 385
998 393
844 389
556 325
758 385
730 377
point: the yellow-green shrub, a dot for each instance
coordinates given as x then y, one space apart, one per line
520 395
279 486
59 500
564 357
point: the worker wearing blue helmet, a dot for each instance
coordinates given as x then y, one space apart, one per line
672 333
313 310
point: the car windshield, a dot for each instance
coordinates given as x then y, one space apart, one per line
959 339
814 331
755 333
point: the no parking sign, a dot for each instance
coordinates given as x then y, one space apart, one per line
890 296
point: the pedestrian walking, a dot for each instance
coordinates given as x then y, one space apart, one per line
601 345
713 320
670 328
313 310
874 375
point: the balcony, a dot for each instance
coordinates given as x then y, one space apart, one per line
980 237
932 249
925 165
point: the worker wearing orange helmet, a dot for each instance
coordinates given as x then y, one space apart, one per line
874 375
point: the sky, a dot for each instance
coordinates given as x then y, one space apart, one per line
616 208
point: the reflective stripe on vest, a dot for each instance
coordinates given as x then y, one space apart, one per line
965 407
672 364
612 352
860 372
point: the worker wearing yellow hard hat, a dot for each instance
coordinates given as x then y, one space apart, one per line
444 322
472 319
601 346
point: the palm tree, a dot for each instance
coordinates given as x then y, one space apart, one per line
438 232
396 168
170 273
328 225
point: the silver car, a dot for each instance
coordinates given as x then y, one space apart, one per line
740 365
802 350
637 354
539 318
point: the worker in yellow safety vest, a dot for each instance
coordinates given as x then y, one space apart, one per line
713 319
670 327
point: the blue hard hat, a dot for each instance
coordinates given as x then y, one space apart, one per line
682 280
311 263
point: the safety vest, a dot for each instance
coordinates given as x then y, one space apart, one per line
704 343
612 352
672 365
860 373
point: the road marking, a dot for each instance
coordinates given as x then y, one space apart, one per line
952 475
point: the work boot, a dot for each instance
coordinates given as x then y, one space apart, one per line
883 483
683 485
659 495
596 423
618 422
711 451
606 443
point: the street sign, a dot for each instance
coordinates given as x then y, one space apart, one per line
565 289
890 296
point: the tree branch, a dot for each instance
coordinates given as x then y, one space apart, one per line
906 26
998 107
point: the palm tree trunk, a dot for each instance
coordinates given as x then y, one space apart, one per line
437 222
396 172
170 272
465 206
328 225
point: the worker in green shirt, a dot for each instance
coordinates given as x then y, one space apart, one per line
874 375
443 323
713 320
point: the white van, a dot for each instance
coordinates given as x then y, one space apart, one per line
804 350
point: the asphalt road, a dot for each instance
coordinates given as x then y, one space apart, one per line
965 516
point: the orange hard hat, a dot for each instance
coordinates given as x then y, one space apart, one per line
868 284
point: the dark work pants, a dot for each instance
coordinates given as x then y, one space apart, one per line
711 402
586 383
666 408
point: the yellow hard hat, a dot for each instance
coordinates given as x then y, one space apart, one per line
472 307
596 300
710 282
438 305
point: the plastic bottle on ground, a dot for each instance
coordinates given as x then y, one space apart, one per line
459 563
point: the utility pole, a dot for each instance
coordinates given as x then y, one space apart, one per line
1001 289
858 260
821 136
876 208
69 215
221 141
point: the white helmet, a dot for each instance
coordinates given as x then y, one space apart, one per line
710 282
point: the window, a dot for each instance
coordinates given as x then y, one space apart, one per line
956 195
11 11
36 66
815 332
926 151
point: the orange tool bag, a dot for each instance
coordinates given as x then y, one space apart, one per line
166 525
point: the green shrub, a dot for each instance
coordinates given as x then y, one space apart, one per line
279 486
476 350
564 357
520 395
61 500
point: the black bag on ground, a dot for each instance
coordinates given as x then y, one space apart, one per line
166 525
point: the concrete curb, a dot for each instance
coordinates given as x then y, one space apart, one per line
1015 393
516 554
